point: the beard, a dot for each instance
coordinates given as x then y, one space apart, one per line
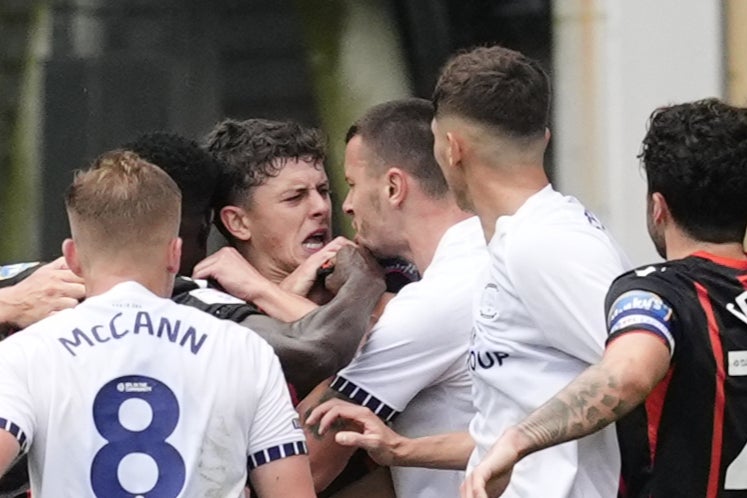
659 245
461 194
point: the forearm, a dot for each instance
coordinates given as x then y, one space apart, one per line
326 458
341 324
376 484
599 396
449 451
282 304
16 479
323 341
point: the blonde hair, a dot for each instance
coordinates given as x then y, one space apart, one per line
123 202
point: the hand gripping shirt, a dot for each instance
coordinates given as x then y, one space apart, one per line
539 322
413 368
129 394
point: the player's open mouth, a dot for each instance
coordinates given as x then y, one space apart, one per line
316 240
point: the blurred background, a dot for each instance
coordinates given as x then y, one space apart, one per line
78 77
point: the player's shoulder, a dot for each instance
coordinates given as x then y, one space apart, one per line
464 240
650 274
200 295
662 280
434 306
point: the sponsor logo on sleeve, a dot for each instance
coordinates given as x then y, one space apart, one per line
641 309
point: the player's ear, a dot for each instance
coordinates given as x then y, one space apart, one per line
236 221
396 186
174 256
659 209
454 149
70 251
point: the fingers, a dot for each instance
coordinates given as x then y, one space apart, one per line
224 257
358 440
473 487
64 303
328 412
73 290
201 269
68 276
339 242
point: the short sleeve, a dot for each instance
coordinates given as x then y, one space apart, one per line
637 302
276 431
16 414
562 278
414 343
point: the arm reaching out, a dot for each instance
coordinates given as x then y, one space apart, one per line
9 449
322 342
386 447
240 279
631 367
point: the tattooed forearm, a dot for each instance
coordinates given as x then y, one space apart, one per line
595 399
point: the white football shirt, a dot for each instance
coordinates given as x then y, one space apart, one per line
129 394
539 322
413 369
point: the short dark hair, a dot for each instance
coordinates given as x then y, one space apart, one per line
399 132
695 156
257 149
498 87
195 171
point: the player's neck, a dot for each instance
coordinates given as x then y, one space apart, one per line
497 192
680 246
426 229
102 279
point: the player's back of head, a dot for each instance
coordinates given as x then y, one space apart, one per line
122 205
498 88
398 133
194 170
197 174
695 156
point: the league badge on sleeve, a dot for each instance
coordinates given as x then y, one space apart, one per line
10 271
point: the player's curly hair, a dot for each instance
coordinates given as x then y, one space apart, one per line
695 156
257 149
195 171
495 86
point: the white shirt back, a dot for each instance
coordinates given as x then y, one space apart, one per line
129 393
539 322
413 367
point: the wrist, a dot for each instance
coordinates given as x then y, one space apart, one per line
519 442
402 450
257 291
367 281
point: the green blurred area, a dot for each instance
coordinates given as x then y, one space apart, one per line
351 50
23 29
